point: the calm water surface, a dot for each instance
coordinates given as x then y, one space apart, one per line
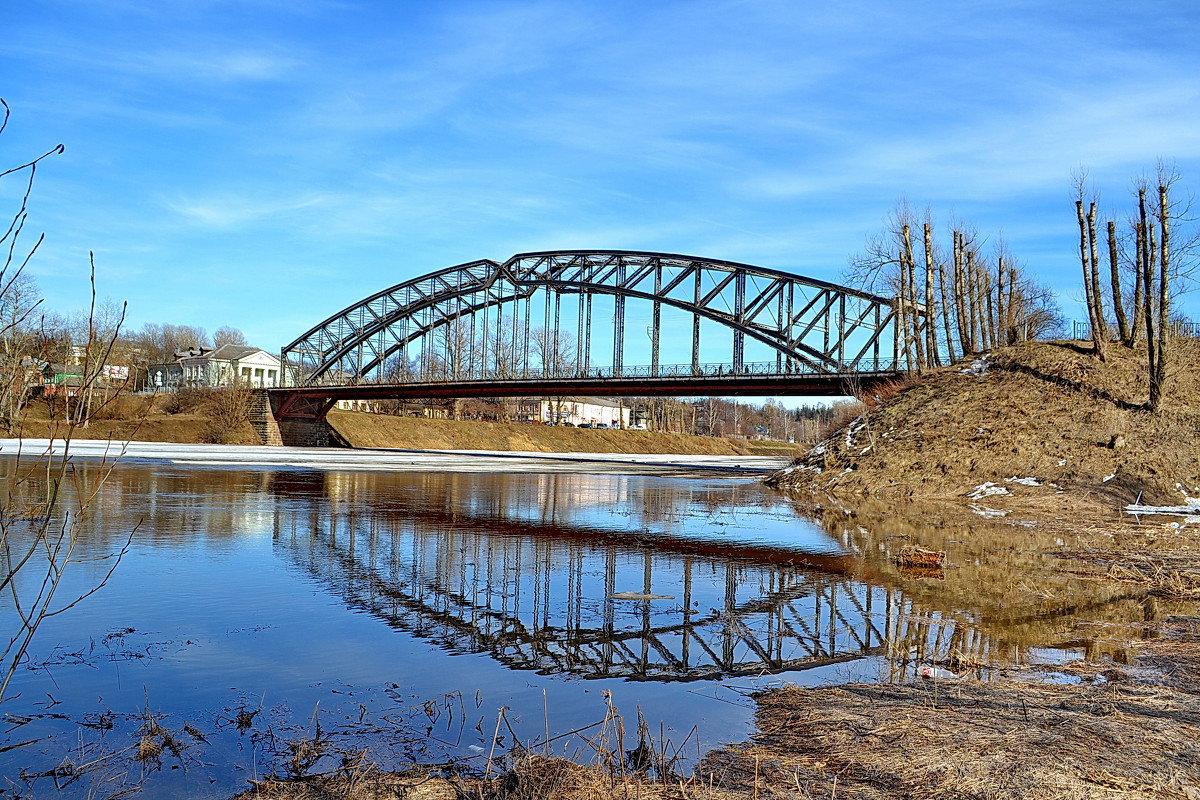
417 615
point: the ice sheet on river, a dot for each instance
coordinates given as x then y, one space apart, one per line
398 459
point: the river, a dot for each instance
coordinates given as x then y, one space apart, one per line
444 615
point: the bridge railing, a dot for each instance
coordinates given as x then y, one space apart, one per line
440 375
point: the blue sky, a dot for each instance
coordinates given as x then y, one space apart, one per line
264 163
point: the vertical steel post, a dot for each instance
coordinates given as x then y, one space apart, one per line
877 327
483 335
739 309
841 332
587 339
525 363
657 321
779 324
619 324
827 349
557 339
696 327
787 331
579 335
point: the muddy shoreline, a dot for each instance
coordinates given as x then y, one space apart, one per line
1119 722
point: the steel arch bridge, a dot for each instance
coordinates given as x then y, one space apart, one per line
568 321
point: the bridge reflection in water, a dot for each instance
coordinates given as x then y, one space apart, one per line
594 576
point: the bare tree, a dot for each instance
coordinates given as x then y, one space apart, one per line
983 301
18 344
45 504
1162 251
556 354
1088 261
889 265
1175 250
158 343
227 335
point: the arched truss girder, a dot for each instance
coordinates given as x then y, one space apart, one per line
816 326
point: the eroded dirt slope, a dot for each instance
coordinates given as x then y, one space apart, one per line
1043 413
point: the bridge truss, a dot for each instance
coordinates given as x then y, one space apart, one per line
580 314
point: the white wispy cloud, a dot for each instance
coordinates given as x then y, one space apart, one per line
238 211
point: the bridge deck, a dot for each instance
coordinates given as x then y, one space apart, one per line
802 385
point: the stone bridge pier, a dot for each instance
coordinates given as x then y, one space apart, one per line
289 431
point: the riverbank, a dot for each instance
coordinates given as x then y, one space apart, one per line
1040 423
360 429
157 419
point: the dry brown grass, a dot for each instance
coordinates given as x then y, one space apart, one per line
967 740
530 777
375 430
1042 410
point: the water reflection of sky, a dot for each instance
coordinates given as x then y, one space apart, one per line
356 597
363 595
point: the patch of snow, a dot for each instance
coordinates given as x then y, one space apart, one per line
985 512
865 450
986 490
978 368
1108 478
1062 462
1190 509
1023 481
854 428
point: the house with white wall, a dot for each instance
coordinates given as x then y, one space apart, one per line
575 411
213 368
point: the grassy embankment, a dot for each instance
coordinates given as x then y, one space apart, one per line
374 430
1046 411
164 419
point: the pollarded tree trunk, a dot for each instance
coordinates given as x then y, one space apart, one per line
974 304
1115 279
960 298
1090 286
949 328
1159 379
1011 321
1100 330
912 327
1148 259
931 342
1135 327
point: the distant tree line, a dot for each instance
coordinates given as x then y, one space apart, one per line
90 342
